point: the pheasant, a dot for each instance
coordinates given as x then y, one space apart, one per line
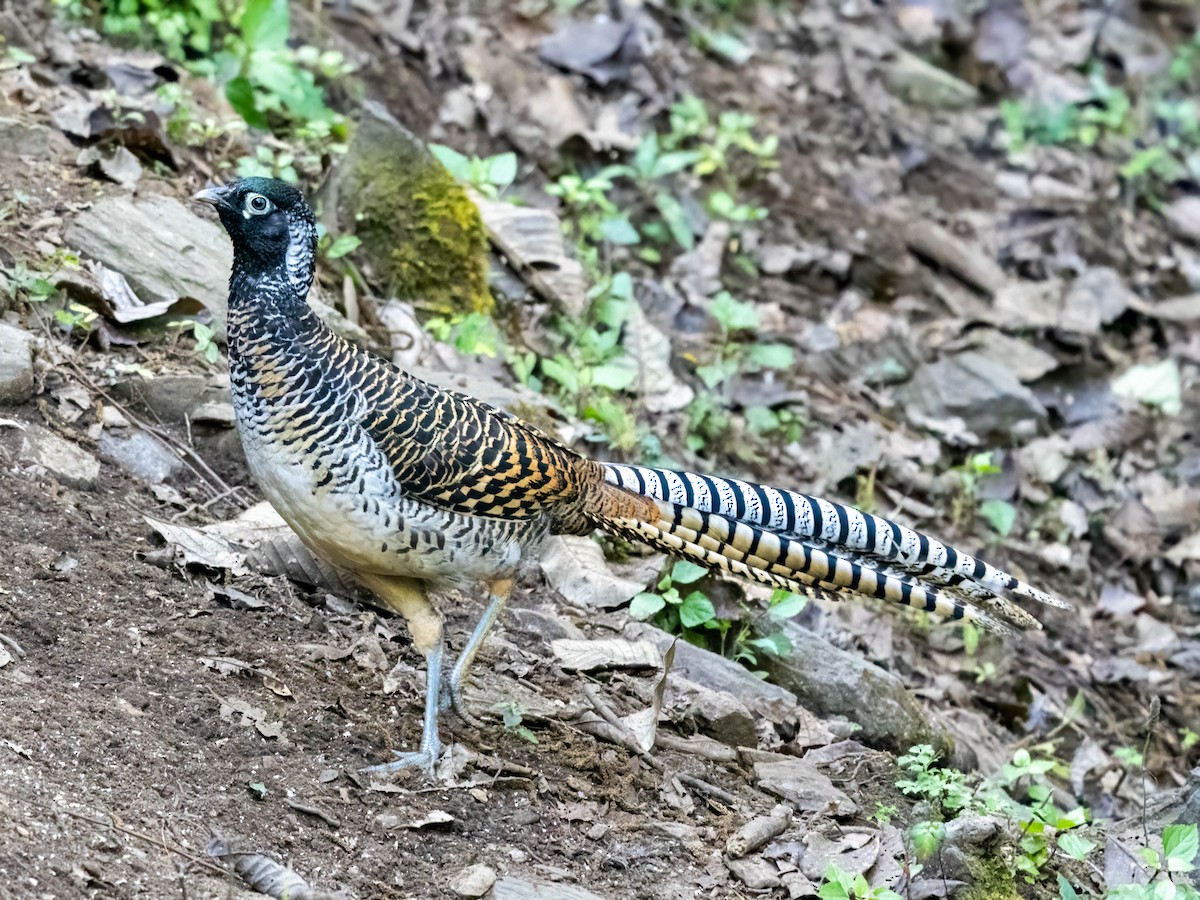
413 490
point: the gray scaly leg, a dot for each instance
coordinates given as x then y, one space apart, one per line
431 746
499 597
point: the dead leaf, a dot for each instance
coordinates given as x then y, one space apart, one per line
613 653
532 241
643 725
196 547
575 567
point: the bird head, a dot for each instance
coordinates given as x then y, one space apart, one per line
272 228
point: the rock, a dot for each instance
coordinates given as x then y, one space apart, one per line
606 654
798 886
544 625
421 234
924 84
802 784
1025 360
116 163
756 873
724 717
1183 217
854 852
16 365
67 462
173 397
30 141
720 674
473 881
1097 297
832 682
143 456
166 251
984 393
510 888
218 414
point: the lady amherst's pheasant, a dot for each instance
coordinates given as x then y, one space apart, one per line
412 489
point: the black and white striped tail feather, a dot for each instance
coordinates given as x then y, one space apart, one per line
832 527
787 562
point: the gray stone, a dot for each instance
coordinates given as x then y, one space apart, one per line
510 888
172 397
143 456
29 141
473 881
1183 216
756 873
67 462
724 717
801 783
924 84
165 250
832 682
983 392
720 674
16 365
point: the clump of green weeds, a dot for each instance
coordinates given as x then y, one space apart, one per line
691 613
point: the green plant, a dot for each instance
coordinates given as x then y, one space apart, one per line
1180 847
203 335
1023 792
944 789
474 333
242 45
489 176
841 885
513 717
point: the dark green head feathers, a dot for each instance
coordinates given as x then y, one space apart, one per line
272 228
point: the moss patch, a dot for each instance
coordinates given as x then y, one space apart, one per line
991 880
420 231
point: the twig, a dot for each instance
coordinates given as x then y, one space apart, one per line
123 829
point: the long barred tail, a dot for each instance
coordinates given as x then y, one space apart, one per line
812 545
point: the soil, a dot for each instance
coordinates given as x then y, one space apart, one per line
149 706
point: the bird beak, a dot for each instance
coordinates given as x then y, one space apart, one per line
215 195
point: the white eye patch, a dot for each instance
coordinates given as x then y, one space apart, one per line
256 205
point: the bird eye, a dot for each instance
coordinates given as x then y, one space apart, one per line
257 203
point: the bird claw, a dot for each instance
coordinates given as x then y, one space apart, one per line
458 703
426 758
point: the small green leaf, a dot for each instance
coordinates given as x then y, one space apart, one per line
1075 846
502 169
455 163
686 572
646 605
770 356
790 605
926 837
695 610
257 789
775 644
1000 514
620 231
265 24
347 243
1180 846
1065 890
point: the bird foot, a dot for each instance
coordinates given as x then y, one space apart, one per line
458 703
426 758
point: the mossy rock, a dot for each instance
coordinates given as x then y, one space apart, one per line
422 236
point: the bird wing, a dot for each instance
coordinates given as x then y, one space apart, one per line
460 454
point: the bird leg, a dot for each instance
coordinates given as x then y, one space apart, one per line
407 597
499 591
